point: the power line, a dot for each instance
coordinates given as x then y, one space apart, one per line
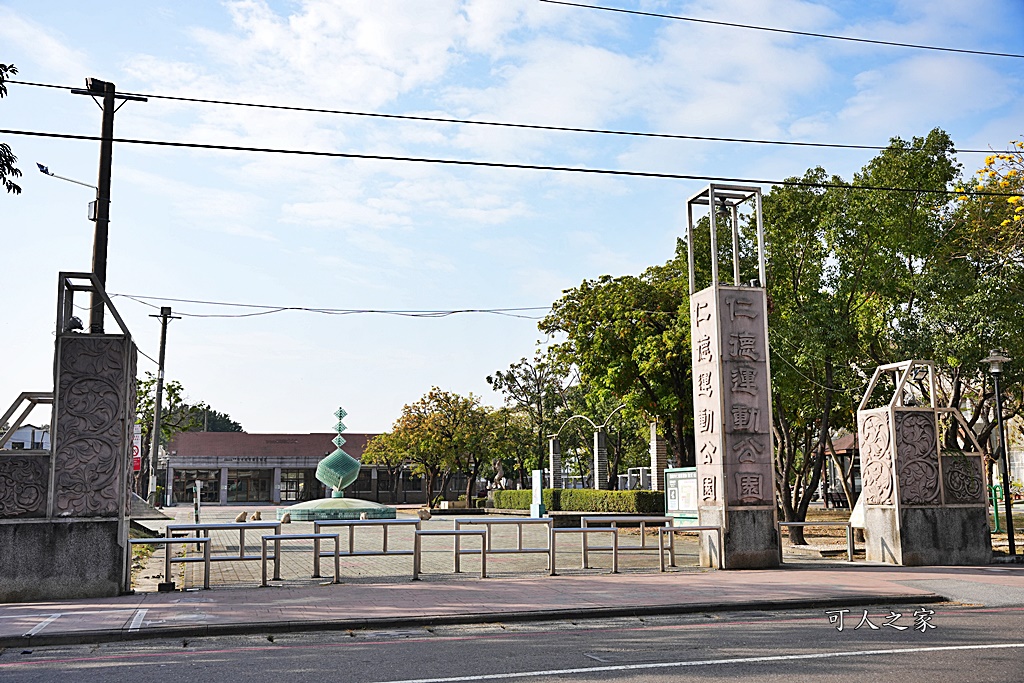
267 310
497 164
786 31
508 124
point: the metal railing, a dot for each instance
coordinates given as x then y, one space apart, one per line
228 526
167 542
585 531
519 522
614 521
849 535
277 538
352 524
458 534
671 532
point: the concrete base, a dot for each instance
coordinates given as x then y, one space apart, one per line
927 536
60 560
336 508
750 540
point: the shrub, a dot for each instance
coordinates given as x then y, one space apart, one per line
585 500
626 502
521 499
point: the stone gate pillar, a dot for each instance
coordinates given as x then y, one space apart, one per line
922 473
555 461
600 459
73 542
659 459
732 398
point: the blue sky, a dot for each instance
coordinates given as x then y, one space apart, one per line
356 234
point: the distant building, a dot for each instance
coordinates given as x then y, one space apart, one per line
28 438
236 467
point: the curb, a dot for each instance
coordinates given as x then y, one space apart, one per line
275 627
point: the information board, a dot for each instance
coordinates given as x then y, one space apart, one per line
681 492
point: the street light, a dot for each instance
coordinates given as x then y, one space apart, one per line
995 362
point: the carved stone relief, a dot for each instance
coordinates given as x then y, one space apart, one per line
876 459
23 482
91 415
963 479
917 458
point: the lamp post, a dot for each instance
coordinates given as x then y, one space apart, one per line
995 362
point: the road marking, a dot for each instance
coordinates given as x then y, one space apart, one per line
74 613
140 614
708 662
43 624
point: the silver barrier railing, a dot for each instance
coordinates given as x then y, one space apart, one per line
229 526
584 531
614 521
519 523
849 534
167 542
277 538
458 534
671 532
351 524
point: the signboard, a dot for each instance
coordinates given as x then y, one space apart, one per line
681 492
137 449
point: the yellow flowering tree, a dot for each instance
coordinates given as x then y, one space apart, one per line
994 222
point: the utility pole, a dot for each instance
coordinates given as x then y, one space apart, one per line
99 211
165 317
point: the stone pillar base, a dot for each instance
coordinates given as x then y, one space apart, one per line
60 559
927 536
750 539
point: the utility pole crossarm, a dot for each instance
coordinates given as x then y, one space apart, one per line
101 214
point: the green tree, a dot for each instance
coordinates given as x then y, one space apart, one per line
512 448
216 421
8 170
630 338
541 389
390 451
846 271
176 415
442 433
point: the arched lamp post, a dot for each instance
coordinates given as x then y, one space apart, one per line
995 362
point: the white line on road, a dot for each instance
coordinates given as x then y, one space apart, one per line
43 624
74 613
140 614
709 662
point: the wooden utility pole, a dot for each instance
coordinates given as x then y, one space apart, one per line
154 446
99 211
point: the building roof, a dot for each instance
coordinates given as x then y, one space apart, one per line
228 444
845 443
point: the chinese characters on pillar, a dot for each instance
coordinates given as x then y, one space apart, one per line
731 396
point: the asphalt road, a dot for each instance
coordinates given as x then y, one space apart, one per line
966 644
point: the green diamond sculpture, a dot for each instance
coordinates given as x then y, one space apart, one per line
338 470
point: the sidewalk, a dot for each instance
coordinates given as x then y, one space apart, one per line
378 601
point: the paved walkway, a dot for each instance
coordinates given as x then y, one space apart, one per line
377 592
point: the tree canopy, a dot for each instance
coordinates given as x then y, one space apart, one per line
8 170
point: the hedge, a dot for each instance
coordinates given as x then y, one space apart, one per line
585 500
521 499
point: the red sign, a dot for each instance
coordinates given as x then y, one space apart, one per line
137 449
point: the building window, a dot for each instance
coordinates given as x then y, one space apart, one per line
249 486
184 485
363 482
299 485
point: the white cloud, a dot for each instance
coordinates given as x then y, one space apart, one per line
46 48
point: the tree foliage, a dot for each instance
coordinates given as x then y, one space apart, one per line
8 170
630 339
